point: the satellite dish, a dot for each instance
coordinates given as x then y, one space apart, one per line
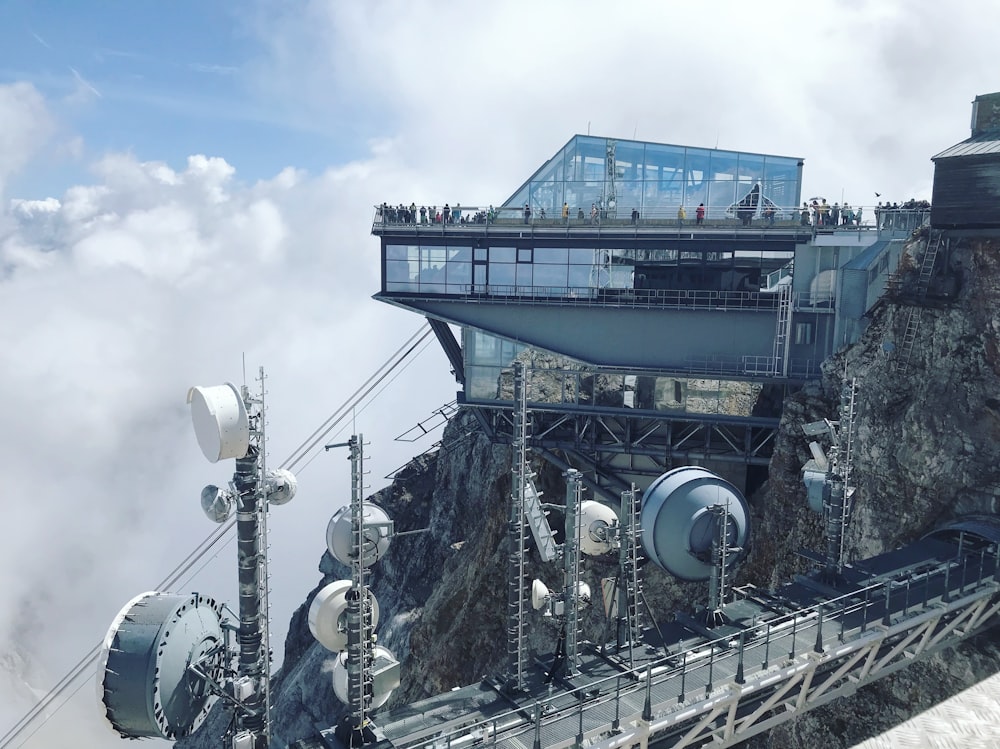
145 680
217 503
596 520
385 676
540 595
220 419
328 615
583 595
678 527
279 486
376 539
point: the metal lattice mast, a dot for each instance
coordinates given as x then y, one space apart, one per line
630 586
518 533
717 582
248 483
571 568
837 504
359 609
265 622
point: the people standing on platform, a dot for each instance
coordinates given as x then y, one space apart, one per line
769 213
423 214
527 213
635 215
699 214
579 214
595 216
824 213
835 214
857 217
565 213
456 214
446 214
804 215
681 216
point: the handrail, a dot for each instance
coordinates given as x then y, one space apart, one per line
861 217
827 613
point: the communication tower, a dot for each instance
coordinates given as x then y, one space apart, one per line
167 657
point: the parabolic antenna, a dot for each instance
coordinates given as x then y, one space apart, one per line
376 539
145 681
678 528
539 595
217 503
279 485
328 615
221 423
385 676
596 521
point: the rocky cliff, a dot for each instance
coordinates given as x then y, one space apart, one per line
927 450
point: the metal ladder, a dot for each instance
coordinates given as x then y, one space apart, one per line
783 330
630 587
913 314
517 578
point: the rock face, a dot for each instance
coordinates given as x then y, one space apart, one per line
927 449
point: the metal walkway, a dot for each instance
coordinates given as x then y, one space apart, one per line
776 656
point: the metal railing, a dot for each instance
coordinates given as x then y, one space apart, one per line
756 648
786 217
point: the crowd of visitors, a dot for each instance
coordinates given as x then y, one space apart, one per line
402 214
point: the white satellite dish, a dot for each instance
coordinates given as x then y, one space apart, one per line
328 615
540 595
221 423
596 520
583 595
279 485
385 676
217 503
376 535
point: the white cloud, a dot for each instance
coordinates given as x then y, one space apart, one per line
119 296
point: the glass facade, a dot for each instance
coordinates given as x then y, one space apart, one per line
488 361
619 176
573 272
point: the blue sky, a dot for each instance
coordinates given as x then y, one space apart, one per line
198 193
163 80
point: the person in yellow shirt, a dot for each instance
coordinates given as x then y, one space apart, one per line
681 216
565 213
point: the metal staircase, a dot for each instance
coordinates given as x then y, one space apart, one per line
630 587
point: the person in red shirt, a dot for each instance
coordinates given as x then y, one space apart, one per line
699 214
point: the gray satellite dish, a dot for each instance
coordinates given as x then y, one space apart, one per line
145 682
279 485
221 422
328 615
385 676
596 521
678 528
217 503
376 535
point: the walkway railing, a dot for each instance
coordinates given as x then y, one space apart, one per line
867 218
867 616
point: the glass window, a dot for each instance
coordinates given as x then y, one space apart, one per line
579 276
523 277
482 253
463 254
502 274
524 254
552 276
503 254
581 256
459 276
400 276
401 252
551 255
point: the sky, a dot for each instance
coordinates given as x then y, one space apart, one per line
186 195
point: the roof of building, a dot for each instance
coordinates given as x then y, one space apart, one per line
979 145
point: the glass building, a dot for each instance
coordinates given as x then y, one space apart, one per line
619 176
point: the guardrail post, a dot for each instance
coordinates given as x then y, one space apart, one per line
647 708
843 619
906 598
864 611
684 669
767 645
538 726
616 723
711 668
739 678
795 625
818 647
886 619
579 732
946 596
